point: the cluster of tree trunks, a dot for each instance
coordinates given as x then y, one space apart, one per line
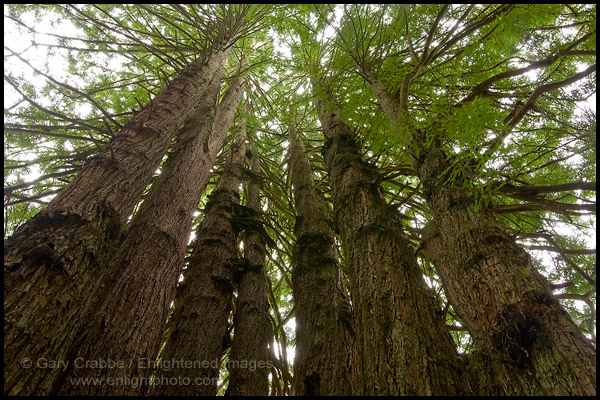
526 342
139 280
54 262
205 296
403 344
83 282
324 321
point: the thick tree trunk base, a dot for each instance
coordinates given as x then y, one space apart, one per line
46 280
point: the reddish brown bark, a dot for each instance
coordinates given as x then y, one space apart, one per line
52 262
249 362
324 320
527 343
531 345
124 320
198 328
404 347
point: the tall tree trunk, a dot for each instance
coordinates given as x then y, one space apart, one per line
532 345
52 261
122 320
324 321
128 311
249 361
527 343
198 328
404 347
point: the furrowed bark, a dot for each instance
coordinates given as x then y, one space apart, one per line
324 320
404 347
528 344
249 360
532 346
52 262
198 328
124 318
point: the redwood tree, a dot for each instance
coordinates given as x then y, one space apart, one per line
56 254
205 296
325 323
249 361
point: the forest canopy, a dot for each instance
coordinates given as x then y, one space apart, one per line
461 139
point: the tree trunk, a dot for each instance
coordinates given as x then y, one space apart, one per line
249 361
324 321
527 342
52 262
198 328
404 347
123 318
530 342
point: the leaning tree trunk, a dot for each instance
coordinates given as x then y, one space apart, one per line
324 321
249 361
126 314
52 261
531 344
527 344
198 327
404 347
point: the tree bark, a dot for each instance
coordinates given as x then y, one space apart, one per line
324 320
198 328
249 362
528 344
531 344
123 319
52 262
404 347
